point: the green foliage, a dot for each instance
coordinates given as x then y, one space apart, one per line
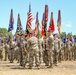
4 32
74 36
62 35
68 35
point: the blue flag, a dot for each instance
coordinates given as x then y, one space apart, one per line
64 39
11 22
19 29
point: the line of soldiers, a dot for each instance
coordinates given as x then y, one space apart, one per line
35 50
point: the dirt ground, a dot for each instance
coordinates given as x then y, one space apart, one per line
63 68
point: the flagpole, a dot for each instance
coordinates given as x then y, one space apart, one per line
45 19
65 47
37 24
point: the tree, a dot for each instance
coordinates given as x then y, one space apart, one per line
68 35
74 36
5 33
62 35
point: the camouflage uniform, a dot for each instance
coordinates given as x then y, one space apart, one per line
22 56
25 53
61 51
74 50
68 50
40 49
11 51
16 53
6 51
45 47
20 45
1 49
33 51
18 50
48 47
50 41
56 50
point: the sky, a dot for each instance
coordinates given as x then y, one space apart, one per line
67 7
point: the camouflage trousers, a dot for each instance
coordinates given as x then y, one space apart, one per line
11 55
32 54
16 55
25 59
1 56
68 55
61 55
48 57
74 54
55 57
45 57
22 57
41 56
6 56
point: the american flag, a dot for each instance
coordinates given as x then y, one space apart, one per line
30 18
11 22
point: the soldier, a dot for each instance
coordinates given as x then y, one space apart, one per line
61 51
56 50
11 50
22 56
0 39
6 50
21 48
33 51
25 51
45 51
40 40
1 50
16 51
50 41
74 49
68 49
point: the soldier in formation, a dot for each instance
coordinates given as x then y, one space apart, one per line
56 50
50 41
6 50
33 51
74 48
49 50
11 50
1 50
68 49
61 51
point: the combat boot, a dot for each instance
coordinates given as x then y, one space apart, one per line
30 67
56 64
38 66
50 66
